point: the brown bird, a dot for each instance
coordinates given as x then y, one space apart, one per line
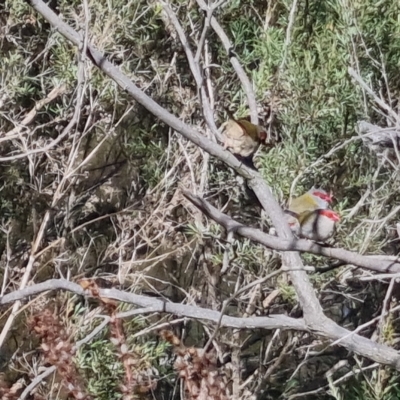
243 138
317 225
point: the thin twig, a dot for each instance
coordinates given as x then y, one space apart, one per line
35 382
377 100
206 27
327 155
226 303
194 67
152 304
57 91
385 306
46 218
323 388
228 247
289 29
247 86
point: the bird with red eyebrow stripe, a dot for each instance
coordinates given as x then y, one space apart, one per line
317 225
314 199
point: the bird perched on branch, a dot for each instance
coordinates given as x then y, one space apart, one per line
317 225
243 138
301 208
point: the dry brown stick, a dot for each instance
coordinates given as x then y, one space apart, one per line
302 245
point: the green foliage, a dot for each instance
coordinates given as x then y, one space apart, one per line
148 146
103 371
197 230
249 256
316 107
101 368
18 9
288 293
378 385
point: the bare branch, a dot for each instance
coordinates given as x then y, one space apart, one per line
247 86
206 26
152 304
375 136
302 245
377 100
289 29
363 346
36 382
227 302
57 91
194 67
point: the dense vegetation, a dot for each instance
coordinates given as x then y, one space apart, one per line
104 200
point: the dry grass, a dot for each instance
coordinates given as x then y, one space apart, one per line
101 198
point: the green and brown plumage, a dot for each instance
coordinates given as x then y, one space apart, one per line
300 207
315 198
242 137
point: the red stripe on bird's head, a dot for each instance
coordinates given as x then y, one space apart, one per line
330 214
323 195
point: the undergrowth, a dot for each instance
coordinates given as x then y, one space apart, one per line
121 216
